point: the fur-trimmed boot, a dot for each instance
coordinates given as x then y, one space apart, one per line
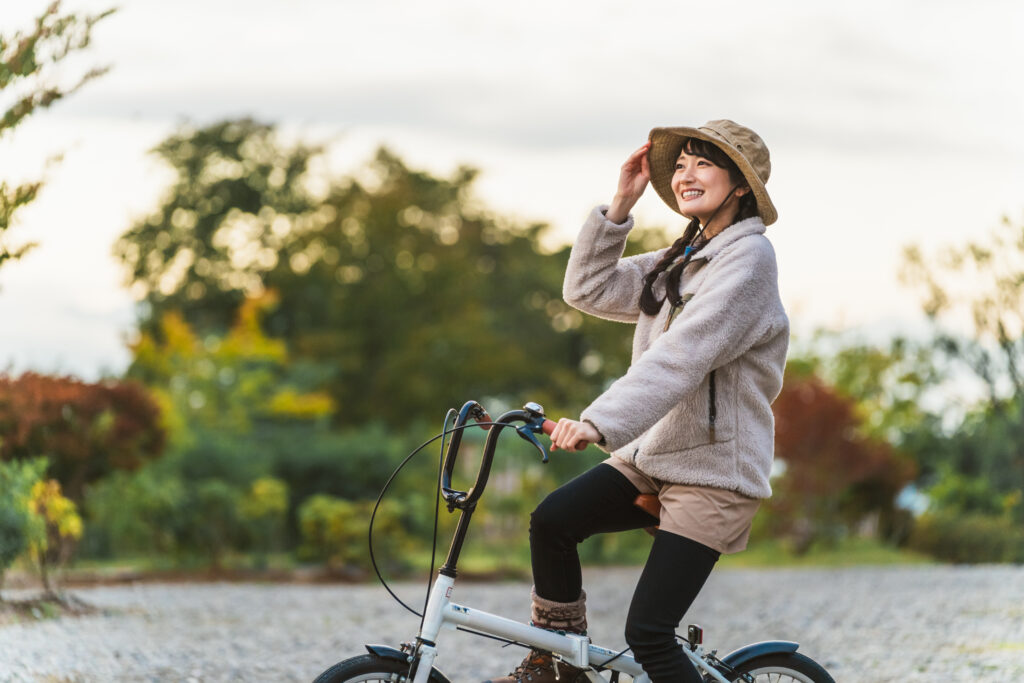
541 667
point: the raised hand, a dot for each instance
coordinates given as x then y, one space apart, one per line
634 175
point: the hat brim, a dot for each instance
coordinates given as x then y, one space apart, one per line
667 143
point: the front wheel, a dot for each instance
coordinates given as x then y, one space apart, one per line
371 668
783 667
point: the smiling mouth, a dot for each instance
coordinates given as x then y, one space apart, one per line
691 194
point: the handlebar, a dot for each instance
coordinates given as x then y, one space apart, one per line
534 422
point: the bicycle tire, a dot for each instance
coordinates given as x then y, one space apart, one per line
368 667
783 667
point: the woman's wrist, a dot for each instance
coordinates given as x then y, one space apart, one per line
618 210
600 437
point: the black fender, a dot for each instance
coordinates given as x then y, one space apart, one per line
388 652
744 654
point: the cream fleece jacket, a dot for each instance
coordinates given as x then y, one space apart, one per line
695 406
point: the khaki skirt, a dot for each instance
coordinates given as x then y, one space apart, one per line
717 518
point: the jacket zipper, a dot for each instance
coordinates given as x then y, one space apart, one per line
712 406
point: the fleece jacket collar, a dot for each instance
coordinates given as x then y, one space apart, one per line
736 231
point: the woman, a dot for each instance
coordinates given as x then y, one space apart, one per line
691 420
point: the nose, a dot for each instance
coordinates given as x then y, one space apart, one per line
684 177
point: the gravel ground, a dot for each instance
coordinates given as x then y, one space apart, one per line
866 625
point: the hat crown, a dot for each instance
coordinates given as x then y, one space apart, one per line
747 142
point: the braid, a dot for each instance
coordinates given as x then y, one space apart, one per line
649 304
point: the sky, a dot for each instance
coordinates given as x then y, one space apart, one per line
889 123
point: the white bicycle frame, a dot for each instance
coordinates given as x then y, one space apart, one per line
442 613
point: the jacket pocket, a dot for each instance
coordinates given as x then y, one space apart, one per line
708 415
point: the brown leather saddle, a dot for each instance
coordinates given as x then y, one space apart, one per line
649 503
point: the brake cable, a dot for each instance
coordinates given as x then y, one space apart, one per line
445 431
373 560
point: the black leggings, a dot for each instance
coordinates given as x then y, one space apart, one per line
601 500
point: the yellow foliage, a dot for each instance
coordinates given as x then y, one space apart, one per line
309 406
58 512
267 497
178 335
246 338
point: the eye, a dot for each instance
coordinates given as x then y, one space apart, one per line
679 166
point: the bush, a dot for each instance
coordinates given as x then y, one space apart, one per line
263 509
133 513
86 430
13 536
61 528
334 531
352 465
214 527
18 525
968 538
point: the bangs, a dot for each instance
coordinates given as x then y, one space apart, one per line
708 150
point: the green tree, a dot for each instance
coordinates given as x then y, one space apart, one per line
981 281
27 63
401 286
237 198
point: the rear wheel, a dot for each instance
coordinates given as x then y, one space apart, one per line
371 668
783 667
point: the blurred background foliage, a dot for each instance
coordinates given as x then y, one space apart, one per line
299 335
292 348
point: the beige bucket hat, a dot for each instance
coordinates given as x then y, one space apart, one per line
741 144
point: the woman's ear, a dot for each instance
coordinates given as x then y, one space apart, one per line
740 191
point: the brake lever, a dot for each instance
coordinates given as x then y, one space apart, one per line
527 432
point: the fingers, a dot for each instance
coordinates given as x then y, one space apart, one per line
569 434
635 174
558 433
640 155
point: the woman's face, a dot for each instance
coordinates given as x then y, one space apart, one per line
700 187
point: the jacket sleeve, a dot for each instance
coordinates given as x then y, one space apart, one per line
598 280
727 316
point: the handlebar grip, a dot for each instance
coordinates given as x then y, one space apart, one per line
549 426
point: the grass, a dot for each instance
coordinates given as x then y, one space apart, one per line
511 560
851 552
514 562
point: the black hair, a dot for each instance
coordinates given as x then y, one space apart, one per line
649 303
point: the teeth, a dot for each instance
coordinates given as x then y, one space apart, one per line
692 193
